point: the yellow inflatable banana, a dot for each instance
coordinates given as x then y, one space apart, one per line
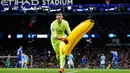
77 34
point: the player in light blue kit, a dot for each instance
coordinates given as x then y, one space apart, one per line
19 57
70 61
115 59
24 60
102 61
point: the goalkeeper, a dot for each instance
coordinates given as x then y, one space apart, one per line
58 38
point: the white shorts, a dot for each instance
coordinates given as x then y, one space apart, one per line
70 62
24 62
102 62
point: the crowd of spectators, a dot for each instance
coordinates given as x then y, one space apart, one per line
92 55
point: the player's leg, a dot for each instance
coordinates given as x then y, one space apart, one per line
56 49
17 63
82 65
103 66
100 64
7 65
69 64
117 66
72 63
116 62
25 64
22 64
113 62
62 56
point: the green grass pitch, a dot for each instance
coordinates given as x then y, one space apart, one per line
40 70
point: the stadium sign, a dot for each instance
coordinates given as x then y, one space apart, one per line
36 2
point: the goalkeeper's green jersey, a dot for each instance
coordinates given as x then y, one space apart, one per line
59 30
7 63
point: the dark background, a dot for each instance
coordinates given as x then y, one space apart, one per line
104 24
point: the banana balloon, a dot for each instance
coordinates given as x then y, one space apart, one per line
77 33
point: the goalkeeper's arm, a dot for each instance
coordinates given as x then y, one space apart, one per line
65 40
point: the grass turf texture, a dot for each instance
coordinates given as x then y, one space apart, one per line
40 70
